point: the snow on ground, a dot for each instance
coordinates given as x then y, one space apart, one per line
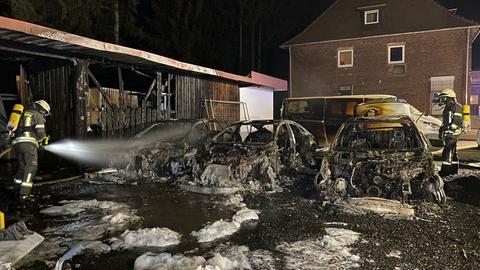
75 207
245 214
154 237
225 258
218 229
221 228
167 261
234 201
330 252
82 222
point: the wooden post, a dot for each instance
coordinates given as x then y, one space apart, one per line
80 78
121 103
169 95
159 96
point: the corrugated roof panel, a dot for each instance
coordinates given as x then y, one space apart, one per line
25 32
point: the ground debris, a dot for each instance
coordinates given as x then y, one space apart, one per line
80 222
386 208
330 252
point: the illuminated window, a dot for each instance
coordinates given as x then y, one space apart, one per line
396 54
345 58
371 16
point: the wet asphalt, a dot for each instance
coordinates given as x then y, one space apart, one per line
446 237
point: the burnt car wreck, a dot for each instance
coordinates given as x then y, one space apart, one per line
255 155
379 157
171 154
259 155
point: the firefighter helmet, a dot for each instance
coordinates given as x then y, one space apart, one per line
43 105
448 93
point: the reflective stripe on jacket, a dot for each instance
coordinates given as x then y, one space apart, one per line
31 128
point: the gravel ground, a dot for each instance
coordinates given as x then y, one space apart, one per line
446 237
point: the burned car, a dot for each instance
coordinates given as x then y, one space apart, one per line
258 155
379 157
168 148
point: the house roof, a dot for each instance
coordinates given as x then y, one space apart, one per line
344 20
43 39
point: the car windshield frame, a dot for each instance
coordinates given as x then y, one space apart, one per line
235 129
344 128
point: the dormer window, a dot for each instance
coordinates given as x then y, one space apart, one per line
371 16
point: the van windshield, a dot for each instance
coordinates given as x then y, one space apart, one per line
304 109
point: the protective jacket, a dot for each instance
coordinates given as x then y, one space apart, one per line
31 128
452 120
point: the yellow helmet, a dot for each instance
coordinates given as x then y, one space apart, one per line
44 105
448 93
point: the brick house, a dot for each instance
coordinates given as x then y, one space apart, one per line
408 48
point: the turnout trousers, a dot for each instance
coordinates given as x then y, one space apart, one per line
450 164
27 157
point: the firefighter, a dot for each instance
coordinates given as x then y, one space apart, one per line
450 131
29 135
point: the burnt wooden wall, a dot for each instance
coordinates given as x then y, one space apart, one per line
51 81
191 91
120 112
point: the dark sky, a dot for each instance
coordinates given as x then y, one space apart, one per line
204 32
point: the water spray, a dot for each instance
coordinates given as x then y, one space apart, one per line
103 152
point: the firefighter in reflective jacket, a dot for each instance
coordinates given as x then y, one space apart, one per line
450 131
29 135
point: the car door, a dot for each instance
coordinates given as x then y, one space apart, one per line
304 143
284 139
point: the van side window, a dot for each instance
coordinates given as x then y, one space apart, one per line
305 109
341 108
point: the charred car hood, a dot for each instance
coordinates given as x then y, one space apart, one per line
380 155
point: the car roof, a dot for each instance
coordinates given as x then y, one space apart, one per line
380 96
400 119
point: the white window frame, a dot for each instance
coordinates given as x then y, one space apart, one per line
389 47
338 58
368 12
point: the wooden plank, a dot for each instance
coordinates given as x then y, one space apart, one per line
14 251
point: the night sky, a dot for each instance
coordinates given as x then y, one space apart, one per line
204 32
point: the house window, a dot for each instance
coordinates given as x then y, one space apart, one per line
345 90
396 54
371 16
345 58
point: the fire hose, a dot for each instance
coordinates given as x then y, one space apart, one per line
4 152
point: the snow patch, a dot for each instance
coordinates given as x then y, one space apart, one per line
75 207
245 214
154 237
234 201
221 228
152 261
231 258
83 223
218 229
120 219
330 252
